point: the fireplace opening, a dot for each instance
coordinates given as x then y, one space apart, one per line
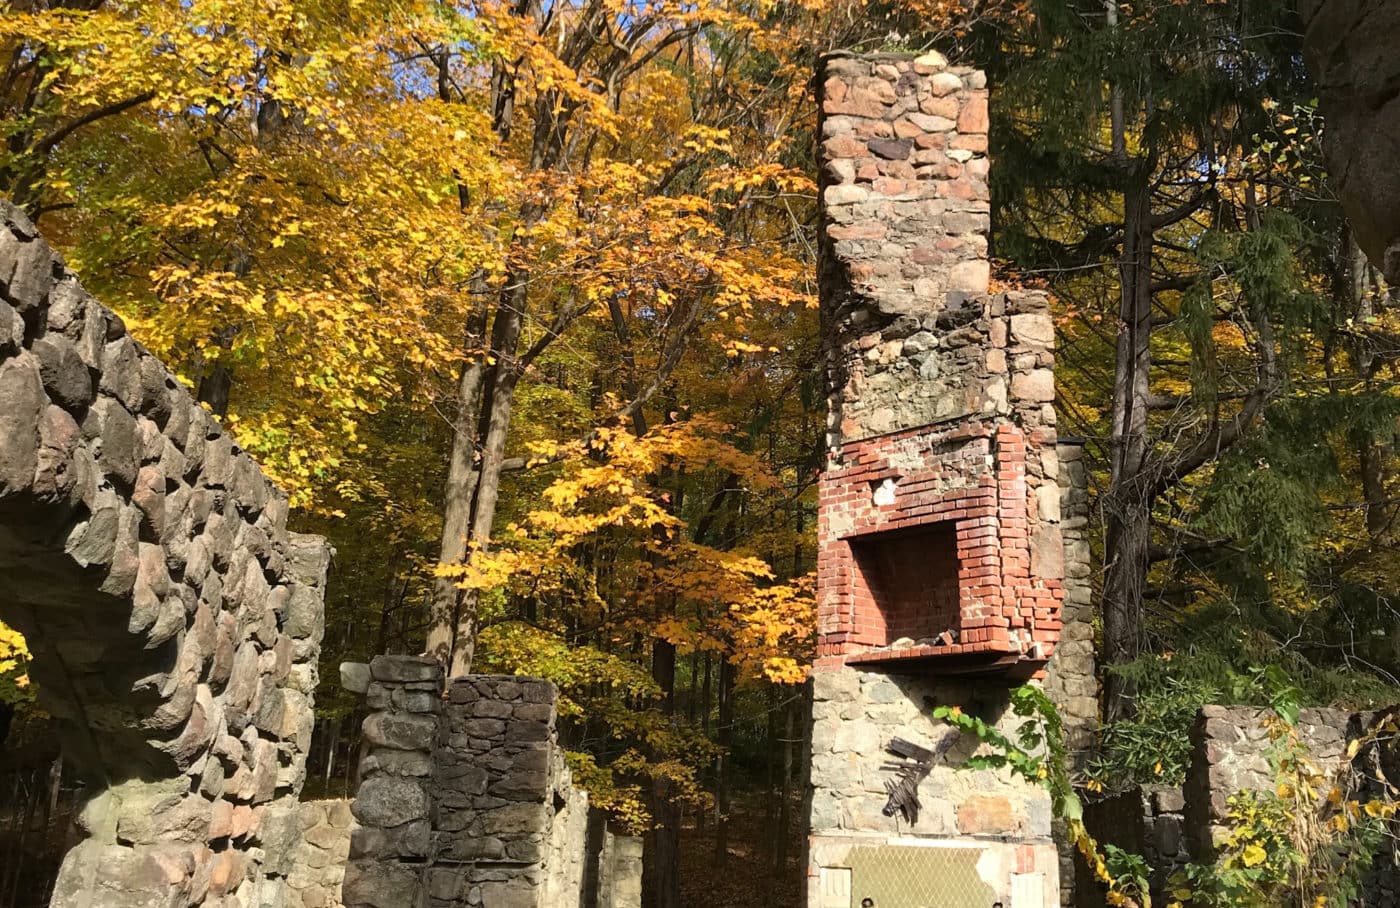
906 587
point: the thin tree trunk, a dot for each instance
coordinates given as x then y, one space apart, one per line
332 743
768 854
726 738
692 701
1129 500
461 488
780 862
661 877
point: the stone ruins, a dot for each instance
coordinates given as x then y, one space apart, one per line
175 626
942 558
174 622
465 799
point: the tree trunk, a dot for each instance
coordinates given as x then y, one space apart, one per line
726 737
1128 504
769 853
457 497
784 834
661 863
472 499
661 876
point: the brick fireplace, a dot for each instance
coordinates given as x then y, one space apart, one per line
926 553
940 562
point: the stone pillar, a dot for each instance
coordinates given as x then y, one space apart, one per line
465 800
940 558
1070 679
393 846
502 786
620 872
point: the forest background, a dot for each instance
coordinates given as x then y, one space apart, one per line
517 300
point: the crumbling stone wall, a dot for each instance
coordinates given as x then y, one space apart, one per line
174 621
1145 821
618 881
1232 749
508 799
1230 753
465 799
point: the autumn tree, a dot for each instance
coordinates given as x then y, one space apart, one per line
246 184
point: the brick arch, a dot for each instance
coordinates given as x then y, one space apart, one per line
175 622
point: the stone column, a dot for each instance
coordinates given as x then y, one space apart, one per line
940 560
497 780
1070 679
620 872
393 846
465 799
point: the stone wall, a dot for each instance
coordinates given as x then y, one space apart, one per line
1146 821
1231 749
465 799
1230 753
318 861
175 622
395 802
507 802
1071 680
1002 824
619 871
1071 677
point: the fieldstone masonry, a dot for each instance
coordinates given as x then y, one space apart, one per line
1071 680
941 562
465 799
1233 749
1230 753
941 435
174 621
318 861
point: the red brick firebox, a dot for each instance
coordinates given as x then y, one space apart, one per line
925 554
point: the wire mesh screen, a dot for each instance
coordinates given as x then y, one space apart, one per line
909 876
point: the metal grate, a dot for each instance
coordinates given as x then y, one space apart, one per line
910 876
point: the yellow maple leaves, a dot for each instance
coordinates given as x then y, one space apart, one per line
686 592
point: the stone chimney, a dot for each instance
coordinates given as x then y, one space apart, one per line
940 561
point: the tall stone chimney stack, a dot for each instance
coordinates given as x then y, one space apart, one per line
941 563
